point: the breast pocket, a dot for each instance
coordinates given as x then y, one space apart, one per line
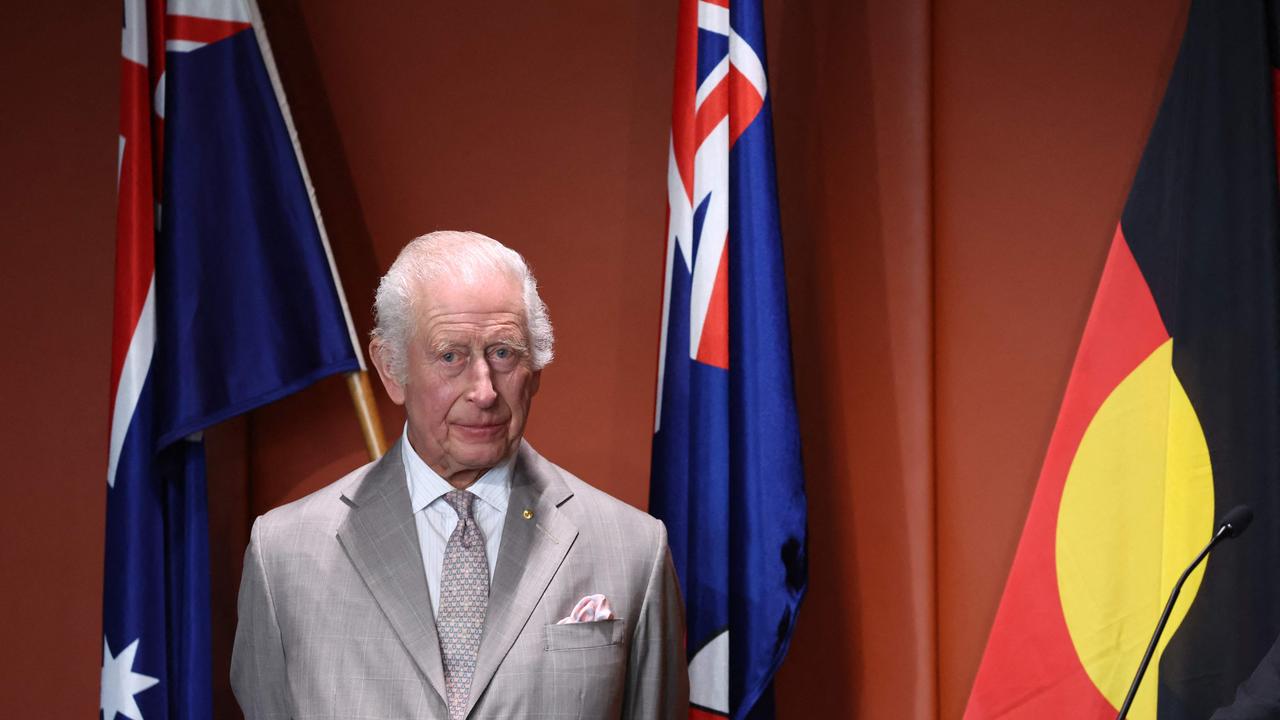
585 665
580 636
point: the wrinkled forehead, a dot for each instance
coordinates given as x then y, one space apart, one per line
452 331
494 298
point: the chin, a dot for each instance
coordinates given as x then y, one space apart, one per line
484 457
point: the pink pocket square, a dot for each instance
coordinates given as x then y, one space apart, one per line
589 609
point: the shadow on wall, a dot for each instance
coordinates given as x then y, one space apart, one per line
847 294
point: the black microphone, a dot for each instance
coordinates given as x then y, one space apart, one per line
1236 521
1230 526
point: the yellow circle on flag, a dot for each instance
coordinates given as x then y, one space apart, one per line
1136 508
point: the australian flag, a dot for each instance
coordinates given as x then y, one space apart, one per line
727 476
226 299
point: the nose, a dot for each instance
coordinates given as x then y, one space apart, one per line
480 388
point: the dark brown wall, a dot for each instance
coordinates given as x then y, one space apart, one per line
950 174
58 130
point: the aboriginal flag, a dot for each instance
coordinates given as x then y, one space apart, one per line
1171 416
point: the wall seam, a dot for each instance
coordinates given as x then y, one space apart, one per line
932 350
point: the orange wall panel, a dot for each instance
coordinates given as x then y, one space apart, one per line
850 85
1041 111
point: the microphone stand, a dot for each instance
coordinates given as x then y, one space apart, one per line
1223 532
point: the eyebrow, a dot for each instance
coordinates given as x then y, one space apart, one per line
514 340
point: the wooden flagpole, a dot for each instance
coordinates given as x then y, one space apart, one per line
367 413
358 380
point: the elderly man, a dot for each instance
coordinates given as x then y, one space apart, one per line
462 575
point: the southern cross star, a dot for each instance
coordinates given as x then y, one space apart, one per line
120 683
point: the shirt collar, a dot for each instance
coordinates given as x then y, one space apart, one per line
426 486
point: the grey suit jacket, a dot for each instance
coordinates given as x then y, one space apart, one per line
336 622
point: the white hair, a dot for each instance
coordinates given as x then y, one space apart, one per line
463 255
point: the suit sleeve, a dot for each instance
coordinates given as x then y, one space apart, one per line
257 660
1258 697
657 671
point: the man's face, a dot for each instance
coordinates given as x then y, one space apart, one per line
469 380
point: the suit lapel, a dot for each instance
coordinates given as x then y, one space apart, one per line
381 539
532 550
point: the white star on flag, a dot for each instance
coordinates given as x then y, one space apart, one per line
120 683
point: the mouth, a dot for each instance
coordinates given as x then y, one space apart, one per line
481 431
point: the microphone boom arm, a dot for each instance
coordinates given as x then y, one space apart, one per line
1232 524
1164 619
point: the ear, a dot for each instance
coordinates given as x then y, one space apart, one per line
534 382
377 355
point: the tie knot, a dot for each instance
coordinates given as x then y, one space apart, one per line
460 501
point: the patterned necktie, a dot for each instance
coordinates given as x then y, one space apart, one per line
464 597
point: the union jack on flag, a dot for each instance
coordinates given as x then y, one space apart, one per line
726 471
226 299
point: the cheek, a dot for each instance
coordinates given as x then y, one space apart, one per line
435 401
444 402
516 391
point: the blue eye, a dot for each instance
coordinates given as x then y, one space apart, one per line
502 353
449 356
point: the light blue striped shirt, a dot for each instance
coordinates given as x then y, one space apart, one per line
436 520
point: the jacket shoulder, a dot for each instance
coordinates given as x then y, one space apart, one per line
591 506
321 510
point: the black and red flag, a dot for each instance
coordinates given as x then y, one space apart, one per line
1171 416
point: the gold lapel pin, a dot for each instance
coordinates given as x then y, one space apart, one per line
528 514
